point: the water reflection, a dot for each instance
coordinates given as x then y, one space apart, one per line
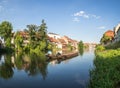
63 73
6 70
81 51
32 64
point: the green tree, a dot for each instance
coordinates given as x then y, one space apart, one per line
43 30
81 47
18 42
105 39
6 32
32 34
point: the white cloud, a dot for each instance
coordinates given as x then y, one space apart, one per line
94 16
76 19
85 15
101 27
81 13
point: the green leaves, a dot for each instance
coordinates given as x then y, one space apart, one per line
18 41
106 73
6 32
5 29
105 39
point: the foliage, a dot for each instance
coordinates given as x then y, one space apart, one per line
6 70
32 36
49 46
106 73
18 42
70 47
105 39
43 30
100 48
8 42
38 37
80 45
6 32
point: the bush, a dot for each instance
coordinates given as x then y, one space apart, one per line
100 48
106 73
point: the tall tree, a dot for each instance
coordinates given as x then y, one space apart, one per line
81 47
43 30
18 41
32 33
6 32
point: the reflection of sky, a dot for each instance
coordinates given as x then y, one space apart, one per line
2 60
75 71
73 74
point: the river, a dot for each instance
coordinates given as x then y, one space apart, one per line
23 71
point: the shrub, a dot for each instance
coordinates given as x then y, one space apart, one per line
100 48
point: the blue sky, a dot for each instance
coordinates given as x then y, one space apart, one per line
85 20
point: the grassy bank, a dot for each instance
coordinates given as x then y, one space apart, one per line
106 73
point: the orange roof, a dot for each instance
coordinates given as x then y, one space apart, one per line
62 41
109 33
53 40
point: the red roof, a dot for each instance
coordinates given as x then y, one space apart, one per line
62 41
109 33
53 40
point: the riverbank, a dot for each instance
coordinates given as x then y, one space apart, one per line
106 73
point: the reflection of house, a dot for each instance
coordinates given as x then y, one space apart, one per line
117 33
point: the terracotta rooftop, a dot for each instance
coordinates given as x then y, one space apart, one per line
62 41
53 40
109 33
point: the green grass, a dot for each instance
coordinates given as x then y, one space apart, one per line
106 73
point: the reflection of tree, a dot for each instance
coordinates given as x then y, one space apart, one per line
18 61
81 51
6 70
42 65
38 64
32 64
0 56
81 47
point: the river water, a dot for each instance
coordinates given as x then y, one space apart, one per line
29 71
